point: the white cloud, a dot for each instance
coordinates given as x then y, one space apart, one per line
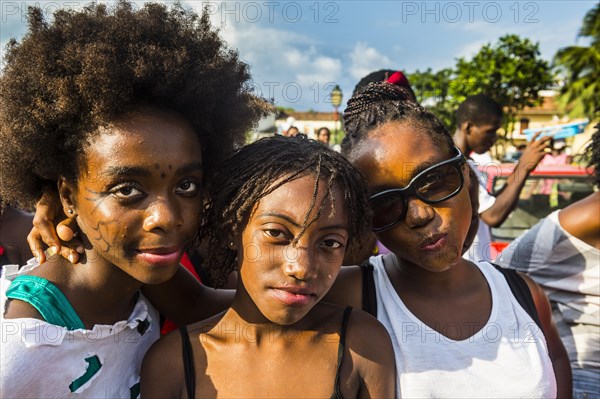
286 66
365 59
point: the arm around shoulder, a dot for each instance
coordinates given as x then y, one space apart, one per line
372 355
347 288
556 349
185 300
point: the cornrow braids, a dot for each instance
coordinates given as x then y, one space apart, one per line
381 76
262 167
379 103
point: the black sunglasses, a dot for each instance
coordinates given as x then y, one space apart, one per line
435 184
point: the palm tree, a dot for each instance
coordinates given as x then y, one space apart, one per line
581 68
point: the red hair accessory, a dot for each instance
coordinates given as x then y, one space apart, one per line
398 79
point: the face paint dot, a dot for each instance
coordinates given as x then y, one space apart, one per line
170 166
163 175
156 166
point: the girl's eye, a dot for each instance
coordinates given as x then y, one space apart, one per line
275 233
126 192
187 187
332 244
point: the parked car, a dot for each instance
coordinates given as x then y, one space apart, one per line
547 188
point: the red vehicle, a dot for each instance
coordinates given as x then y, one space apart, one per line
547 188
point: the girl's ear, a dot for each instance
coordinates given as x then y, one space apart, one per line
468 126
66 192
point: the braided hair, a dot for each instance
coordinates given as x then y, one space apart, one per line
379 103
382 76
262 167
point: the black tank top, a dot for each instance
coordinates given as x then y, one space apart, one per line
190 373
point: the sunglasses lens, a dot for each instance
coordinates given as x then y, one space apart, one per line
387 209
440 183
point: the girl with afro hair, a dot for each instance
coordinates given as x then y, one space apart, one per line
125 113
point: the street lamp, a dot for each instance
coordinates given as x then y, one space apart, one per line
336 101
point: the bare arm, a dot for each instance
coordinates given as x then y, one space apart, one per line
373 356
507 198
184 300
347 288
162 374
556 349
581 219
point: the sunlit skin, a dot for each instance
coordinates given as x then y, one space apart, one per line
136 202
425 265
480 138
138 210
277 340
273 268
385 166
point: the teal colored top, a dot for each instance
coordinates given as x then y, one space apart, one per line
47 299
56 309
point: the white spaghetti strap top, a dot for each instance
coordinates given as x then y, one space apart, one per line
507 358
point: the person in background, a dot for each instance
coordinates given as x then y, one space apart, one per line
556 156
15 225
324 135
562 254
478 119
292 131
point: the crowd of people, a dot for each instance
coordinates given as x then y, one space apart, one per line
119 129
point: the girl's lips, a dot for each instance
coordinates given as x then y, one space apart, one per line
434 243
293 297
160 256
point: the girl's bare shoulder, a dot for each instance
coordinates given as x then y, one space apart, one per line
162 374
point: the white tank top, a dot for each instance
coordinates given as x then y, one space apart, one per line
507 358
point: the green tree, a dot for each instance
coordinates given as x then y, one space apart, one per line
580 67
510 71
432 91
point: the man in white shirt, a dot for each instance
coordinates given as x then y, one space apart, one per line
478 119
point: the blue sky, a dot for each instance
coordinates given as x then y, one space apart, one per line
297 50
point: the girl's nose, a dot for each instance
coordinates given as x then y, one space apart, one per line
418 213
300 263
162 215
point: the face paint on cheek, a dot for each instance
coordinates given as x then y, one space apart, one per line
104 227
94 197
